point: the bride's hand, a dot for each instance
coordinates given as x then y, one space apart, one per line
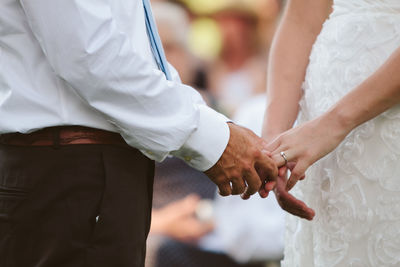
287 201
305 144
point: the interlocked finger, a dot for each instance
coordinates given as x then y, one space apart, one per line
225 189
281 158
296 174
238 186
253 183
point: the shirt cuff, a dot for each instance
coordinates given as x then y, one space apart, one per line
206 145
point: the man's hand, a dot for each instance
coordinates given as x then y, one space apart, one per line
244 165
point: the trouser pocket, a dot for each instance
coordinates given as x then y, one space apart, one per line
10 198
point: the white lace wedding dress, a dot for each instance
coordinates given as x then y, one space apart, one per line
355 190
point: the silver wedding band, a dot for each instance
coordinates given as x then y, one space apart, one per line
284 157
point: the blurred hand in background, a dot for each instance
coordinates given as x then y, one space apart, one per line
178 220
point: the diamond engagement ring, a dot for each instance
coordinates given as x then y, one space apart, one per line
284 157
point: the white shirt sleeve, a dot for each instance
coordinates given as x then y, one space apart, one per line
86 46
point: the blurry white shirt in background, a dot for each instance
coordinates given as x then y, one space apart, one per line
250 230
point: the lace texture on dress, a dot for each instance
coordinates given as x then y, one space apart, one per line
355 190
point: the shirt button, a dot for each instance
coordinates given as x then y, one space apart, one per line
188 158
149 152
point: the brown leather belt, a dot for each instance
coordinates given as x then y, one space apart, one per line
62 136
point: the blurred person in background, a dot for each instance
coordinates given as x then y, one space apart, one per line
268 12
258 232
178 226
240 70
173 24
175 200
255 239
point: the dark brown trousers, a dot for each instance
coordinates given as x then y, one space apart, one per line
74 206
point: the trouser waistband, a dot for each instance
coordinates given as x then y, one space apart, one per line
62 136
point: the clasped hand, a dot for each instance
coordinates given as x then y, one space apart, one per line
302 146
246 167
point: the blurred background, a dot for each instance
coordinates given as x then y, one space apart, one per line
220 47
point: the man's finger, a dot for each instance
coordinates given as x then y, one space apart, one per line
262 192
225 189
266 168
267 171
238 186
268 186
253 183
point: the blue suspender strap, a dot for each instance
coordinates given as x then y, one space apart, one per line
155 41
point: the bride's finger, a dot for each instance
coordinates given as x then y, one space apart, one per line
282 170
269 185
273 145
263 193
296 174
291 166
266 188
281 158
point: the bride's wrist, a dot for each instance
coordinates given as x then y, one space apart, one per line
339 121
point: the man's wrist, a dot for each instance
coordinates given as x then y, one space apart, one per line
207 143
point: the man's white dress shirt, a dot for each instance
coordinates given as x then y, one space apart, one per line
89 63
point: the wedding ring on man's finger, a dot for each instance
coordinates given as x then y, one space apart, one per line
284 157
